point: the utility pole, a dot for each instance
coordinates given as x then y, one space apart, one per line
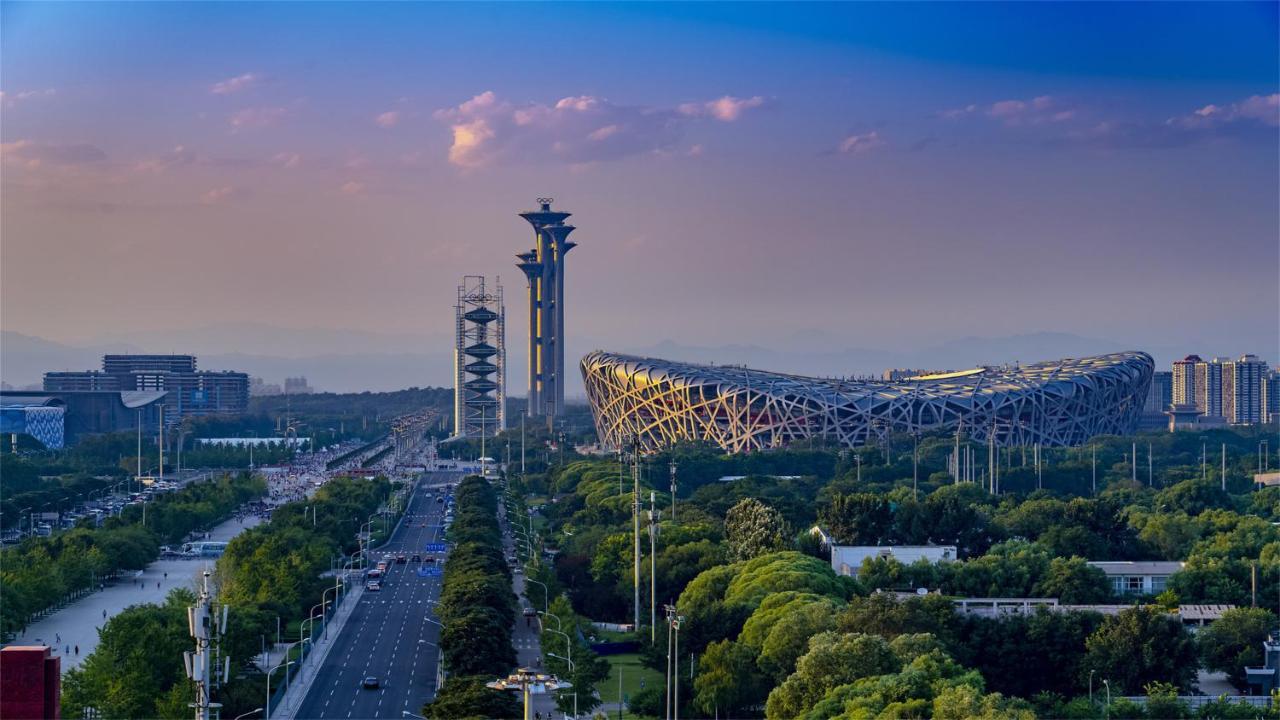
1150 474
653 567
673 489
1224 467
915 466
1094 449
635 522
206 627
139 424
1133 463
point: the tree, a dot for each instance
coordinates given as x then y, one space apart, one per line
726 682
1235 641
1074 582
753 528
1141 645
832 660
859 519
468 697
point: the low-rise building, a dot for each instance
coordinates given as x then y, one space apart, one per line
847 559
1265 679
1138 577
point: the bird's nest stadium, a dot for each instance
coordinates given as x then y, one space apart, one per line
658 403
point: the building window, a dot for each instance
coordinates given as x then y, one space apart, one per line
1133 584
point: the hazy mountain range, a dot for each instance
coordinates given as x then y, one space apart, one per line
353 360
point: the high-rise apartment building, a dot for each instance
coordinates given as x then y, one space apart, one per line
1271 397
1242 393
543 266
1184 380
1208 397
480 360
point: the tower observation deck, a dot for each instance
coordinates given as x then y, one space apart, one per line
543 266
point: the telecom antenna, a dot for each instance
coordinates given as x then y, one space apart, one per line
207 628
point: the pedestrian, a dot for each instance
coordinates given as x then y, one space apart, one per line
104 614
58 637
68 652
77 650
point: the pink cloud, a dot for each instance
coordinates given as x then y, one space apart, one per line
12 99
724 109
857 144
222 195
235 84
351 187
388 119
33 154
178 157
1039 110
257 117
577 130
1260 109
286 160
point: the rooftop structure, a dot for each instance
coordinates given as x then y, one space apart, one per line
188 391
1138 577
1063 402
847 559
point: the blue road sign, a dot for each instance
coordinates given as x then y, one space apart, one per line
436 547
429 572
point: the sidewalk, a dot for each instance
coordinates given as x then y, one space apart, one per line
300 685
525 636
78 623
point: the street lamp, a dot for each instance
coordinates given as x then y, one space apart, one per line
546 594
251 712
571 673
286 679
406 713
1107 683
527 681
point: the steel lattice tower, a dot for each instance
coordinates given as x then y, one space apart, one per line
480 360
544 268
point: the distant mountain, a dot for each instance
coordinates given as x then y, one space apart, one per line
353 360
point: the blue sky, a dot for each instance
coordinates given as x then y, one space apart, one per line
888 175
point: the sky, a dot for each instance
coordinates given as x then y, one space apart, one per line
888 176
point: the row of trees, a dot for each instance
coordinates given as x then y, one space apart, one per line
40 572
477 610
270 571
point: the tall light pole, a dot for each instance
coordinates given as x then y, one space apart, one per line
527 680
653 575
635 522
286 674
673 489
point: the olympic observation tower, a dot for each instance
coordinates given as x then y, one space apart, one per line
544 268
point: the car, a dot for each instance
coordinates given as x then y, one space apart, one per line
439 499
370 683
400 559
416 558
428 559
530 612
373 586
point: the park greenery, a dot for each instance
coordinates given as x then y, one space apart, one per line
40 572
477 610
777 633
268 573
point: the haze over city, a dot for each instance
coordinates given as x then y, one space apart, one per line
792 179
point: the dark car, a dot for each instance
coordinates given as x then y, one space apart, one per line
371 683
400 559
439 499
428 559
416 558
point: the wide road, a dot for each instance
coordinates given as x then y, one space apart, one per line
388 635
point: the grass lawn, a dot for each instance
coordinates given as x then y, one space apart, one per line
632 672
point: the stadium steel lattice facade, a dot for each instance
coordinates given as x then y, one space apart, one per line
1065 402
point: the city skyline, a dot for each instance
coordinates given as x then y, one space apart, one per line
924 189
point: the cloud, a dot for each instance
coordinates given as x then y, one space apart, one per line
1039 110
351 187
388 119
286 160
256 117
724 109
235 84
12 99
222 195
1253 118
180 156
33 154
1255 109
577 130
858 144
